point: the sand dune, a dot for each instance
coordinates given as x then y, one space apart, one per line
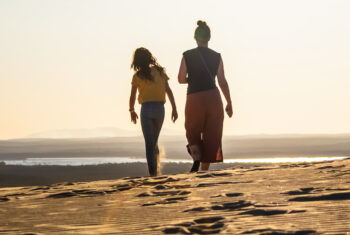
306 198
14 176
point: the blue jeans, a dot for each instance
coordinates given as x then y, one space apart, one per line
152 117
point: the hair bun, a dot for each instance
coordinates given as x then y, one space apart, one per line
201 23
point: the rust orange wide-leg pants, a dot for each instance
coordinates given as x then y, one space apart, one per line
204 119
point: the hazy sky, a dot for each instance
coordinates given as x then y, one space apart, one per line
66 64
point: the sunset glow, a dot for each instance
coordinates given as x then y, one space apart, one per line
66 64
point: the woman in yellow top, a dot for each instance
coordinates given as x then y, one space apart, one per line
151 81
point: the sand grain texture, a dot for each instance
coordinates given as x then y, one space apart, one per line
307 198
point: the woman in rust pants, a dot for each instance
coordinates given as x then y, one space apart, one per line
204 114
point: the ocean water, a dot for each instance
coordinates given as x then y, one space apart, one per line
115 160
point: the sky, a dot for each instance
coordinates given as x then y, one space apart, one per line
66 64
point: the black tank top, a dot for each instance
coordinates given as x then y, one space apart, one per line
198 77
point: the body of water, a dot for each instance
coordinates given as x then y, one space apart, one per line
115 160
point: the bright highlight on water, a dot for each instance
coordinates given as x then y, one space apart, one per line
117 160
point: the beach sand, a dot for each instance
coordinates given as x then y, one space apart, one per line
18 175
305 198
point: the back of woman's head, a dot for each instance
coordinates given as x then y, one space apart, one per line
202 32
142 62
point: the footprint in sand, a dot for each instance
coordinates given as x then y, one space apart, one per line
222 182
158 180
111 191
233 194
300 191
341 173
181 186
169 200
325 197
311 190
217 174
197 209
131 178
149 181
160 177
270 205
296 211
207 225
269 212
40 188
62 195
171 193
336 189
123 187
262 169
160 187
178 186
280 232
4 199
228 195
144 195
18 194
330 167
262 212
229 206
164 193
80 192
88 192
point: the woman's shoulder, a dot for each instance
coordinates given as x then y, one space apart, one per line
213 52
157 69
159 72
193 51
188 52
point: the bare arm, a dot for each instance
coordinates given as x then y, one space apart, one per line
133 114
224 88
172 101
182 72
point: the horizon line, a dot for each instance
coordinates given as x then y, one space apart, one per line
177 135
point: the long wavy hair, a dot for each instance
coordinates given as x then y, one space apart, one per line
142 62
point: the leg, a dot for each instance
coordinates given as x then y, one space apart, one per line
212 134
148 134
195 152
194 122
205 166
157 124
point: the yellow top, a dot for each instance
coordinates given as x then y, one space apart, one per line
151 90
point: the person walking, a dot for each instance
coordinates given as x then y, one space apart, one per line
204 114
151 82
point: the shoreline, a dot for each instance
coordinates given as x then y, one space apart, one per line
83 161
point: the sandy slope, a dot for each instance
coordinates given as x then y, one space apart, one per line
286 199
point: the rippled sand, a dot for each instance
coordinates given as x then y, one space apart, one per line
307 198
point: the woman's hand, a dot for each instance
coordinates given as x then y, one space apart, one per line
174 115
228 109
133 116
224 88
